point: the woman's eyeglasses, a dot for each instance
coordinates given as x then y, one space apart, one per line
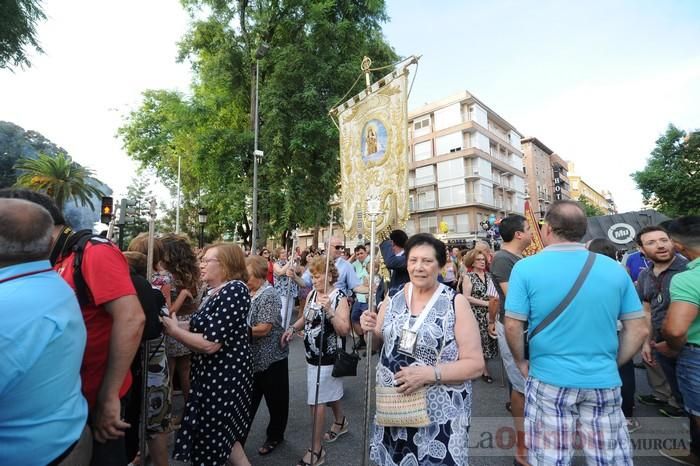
207 260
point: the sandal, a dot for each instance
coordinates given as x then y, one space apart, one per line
487 378
268 447
331 436
320 458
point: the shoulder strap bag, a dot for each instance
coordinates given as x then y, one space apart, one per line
567 299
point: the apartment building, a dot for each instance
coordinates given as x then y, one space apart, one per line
546 175
580 188
465 164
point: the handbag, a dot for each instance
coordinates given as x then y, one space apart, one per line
345 364
396 409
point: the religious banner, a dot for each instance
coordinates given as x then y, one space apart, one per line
536 244
373 154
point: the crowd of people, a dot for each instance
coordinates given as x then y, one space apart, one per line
91 361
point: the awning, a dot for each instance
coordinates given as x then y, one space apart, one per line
622 228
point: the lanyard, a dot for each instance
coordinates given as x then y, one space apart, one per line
26 274
426 309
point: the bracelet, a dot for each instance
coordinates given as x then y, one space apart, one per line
438 375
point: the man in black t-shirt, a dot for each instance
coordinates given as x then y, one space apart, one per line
516 235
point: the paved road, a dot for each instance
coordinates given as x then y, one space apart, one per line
490 423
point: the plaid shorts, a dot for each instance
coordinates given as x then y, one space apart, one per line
560 420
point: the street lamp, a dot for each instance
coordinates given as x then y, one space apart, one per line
202 221
259 53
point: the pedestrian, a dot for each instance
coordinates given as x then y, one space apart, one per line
653 286
42 339
476 285
516 235
98 273
218 410
157 375
392 251
626 371
287 283
429 338
325 320
181 263
270 358
681 329
361 303
573 385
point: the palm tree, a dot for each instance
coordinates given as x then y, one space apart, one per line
59 177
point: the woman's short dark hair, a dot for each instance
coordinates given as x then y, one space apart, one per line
603 246
421 239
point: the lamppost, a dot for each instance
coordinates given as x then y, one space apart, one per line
259 53
177 205
202 221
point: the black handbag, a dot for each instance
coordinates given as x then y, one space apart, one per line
346 363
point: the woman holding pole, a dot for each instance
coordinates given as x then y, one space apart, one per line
325 320
431 348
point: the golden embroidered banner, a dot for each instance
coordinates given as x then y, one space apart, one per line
373 155
536 244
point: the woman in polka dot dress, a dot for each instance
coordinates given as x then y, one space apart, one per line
217 414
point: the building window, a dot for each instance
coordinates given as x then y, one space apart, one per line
425 175
450 221
411 227
423 151
421 127
450 169
448 116
449 143
462 223
426 199
452 195
428 224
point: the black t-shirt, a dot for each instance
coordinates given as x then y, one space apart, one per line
501 266
151 301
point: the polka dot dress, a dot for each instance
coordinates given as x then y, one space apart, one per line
218 410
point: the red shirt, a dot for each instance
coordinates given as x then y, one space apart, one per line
106 274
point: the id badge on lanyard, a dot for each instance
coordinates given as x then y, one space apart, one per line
409 336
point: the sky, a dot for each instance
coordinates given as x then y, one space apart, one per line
597 81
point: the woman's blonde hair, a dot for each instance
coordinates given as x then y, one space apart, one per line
471 256
232 261
318 266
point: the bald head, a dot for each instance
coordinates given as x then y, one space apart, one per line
25 232
567 220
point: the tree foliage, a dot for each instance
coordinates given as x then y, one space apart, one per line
18 21
670 182
310 58
58 177
590 208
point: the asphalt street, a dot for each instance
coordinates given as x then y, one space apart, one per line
490 434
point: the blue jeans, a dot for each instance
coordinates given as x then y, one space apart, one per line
688 374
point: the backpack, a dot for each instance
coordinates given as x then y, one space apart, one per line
76 243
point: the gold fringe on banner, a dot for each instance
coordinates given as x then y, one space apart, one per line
536 245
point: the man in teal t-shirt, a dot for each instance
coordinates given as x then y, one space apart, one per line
682 331
572 378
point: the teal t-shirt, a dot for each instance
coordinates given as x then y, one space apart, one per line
685 286
579 348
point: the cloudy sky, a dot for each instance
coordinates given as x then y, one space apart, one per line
596 81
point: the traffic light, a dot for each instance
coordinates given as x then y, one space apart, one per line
107 210
127 211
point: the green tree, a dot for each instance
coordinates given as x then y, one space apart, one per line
59 177
18 21
591 209
314 49
670 182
